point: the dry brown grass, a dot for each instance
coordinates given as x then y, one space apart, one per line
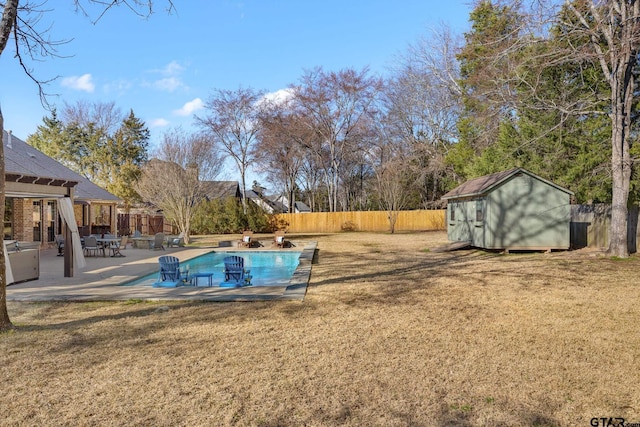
389 333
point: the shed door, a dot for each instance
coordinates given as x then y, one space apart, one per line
460 221
479 222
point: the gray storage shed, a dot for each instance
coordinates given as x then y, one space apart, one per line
514 209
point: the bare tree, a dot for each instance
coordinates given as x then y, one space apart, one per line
105 116
392 190
21 22
172 180
280 149
310 182
5 322
333 104
605 34
233 122
423 104
9 16
611 30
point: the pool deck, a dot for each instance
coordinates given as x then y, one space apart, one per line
100 280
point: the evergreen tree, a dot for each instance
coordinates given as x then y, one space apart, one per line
126 153
486 91
110 161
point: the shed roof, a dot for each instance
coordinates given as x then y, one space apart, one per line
24 162
484 184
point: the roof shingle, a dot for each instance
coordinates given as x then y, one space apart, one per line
22 159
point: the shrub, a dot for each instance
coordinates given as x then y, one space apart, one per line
226 216
349 226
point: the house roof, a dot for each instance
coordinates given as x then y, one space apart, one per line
266 202
302 207
483 184
276 204
220 189
24 163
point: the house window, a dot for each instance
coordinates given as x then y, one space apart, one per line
49 218
479 210
8 218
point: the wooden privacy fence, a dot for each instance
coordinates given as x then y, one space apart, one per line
590 226
144 223
332 222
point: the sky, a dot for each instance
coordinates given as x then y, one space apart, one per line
165 67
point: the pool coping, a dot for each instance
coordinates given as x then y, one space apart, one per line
105 284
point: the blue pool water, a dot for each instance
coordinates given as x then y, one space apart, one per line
267 268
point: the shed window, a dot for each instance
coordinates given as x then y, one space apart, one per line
479 210
452 212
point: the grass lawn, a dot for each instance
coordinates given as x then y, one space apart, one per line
390 333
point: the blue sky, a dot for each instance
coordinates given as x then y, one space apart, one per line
164 67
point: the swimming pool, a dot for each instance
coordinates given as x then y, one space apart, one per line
268 268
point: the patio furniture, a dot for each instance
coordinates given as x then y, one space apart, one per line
116 245
235 274
194 278
278 239
170 273
158 242
60 244
91 246
175 240
247 239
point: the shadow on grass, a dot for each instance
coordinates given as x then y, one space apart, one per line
402 274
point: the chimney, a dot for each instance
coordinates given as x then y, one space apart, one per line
9 139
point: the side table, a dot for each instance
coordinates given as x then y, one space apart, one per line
194 278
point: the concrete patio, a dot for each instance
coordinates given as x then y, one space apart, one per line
102 278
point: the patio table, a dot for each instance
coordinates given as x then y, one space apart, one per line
106 243
194 278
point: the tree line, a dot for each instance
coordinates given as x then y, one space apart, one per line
550 89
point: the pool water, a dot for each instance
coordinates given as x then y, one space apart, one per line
268 268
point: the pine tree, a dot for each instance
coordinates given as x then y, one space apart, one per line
486 95
126 153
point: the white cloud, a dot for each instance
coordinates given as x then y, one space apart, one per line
190 107
158 123
171 79
169 84
82 82
118 87
281 96
172 69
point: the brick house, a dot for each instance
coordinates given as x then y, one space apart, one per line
35 183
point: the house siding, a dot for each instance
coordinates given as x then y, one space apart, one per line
23 220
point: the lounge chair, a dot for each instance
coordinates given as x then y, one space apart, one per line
158 242
235 274
116 246
170 273
247 239
278 239
176 241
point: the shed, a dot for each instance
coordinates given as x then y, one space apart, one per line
510 210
